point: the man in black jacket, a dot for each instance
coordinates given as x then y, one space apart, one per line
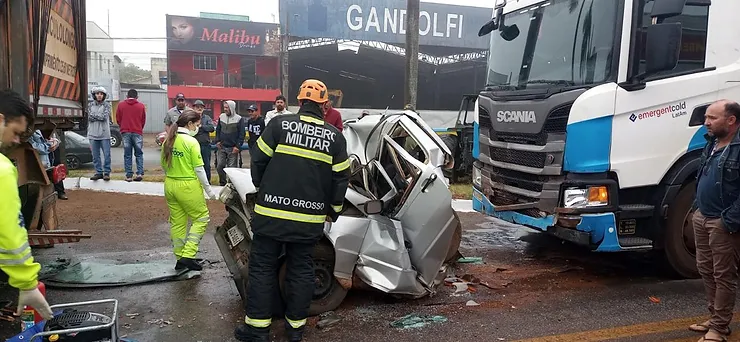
203 136
301 169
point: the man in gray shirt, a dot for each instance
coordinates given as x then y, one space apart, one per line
175 111
98 132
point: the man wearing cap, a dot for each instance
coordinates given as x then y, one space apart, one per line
255 125
175 111
203 136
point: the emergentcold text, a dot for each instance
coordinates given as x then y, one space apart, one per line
308 136
394 20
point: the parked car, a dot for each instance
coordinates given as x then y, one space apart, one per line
115 134
397 198
77 149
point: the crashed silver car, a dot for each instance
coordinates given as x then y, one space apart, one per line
397 229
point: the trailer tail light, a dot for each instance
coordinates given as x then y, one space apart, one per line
59 174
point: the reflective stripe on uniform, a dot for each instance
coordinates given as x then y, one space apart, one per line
15 251
289 215
339 167
258 323
312 120
337 208
264 147
296 324
303 153
16 261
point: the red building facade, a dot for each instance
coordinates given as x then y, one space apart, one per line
217 60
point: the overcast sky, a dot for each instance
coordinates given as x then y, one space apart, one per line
146 19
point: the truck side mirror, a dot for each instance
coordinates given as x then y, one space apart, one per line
488 27
667 8
662 47
373 207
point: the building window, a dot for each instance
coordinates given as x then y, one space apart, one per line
204 62
694 20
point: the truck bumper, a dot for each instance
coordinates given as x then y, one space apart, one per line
597 231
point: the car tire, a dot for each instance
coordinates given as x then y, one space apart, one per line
679 250
330 294
73 162
115 140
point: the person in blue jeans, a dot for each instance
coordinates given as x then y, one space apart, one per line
98 132
131 117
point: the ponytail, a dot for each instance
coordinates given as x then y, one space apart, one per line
169 142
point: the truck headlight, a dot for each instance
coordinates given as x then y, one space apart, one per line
585 197
476 177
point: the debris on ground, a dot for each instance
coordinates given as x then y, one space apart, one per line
132 315
160 322
411 321
472 303
655 300
470 260
109 273
327 321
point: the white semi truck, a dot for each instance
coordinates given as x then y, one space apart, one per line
591 123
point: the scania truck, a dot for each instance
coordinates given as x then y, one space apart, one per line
591 123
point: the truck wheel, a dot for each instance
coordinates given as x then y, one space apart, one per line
328 294
453 252
680 248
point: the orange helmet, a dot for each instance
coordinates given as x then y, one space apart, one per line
313 90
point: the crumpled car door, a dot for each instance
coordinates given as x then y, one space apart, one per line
423 203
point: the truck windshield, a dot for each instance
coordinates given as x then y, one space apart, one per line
557 42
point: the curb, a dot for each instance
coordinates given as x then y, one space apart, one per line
157 189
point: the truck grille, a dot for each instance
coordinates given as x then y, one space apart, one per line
518 179
554 128
524 158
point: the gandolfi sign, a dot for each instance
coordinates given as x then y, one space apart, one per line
385 21
222 36
61 50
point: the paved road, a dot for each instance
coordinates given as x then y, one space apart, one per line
543 290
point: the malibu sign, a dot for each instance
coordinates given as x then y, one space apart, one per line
240 37
222 36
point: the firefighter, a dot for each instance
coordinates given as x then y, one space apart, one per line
15 253
183 188
301 170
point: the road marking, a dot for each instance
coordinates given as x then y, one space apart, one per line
629 331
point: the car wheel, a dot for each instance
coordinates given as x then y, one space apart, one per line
328 293
115 141
73 162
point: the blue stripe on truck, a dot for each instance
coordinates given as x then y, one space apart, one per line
698 141
588 145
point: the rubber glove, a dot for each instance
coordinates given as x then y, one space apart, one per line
211 194
36 300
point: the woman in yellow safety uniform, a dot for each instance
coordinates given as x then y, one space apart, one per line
183 188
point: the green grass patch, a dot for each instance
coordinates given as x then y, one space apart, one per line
462 191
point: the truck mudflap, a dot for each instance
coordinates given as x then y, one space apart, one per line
597 231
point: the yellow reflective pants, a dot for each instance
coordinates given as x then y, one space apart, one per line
186 200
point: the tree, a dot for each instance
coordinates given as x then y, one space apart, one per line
131 73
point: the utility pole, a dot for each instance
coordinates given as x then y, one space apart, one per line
284 53
412 52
